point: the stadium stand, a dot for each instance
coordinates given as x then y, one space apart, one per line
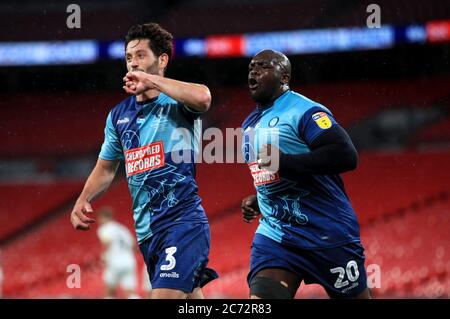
24 204
423 173
52 251
210 17
435 134
68 124
398 243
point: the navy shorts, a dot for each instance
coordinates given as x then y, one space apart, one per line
339 270
176 258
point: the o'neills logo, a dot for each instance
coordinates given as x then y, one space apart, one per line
172 274
141 159
262 176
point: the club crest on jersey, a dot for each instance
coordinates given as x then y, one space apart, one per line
145 158
322 120
274 121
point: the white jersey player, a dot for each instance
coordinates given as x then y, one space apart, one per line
146 284
118 256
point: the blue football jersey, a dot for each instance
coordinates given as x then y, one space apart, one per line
156 139
310 211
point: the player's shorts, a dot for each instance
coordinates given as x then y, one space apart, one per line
176 258
123 276
339 270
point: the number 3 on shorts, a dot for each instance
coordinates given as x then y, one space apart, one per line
170 258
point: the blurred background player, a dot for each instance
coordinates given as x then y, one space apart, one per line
295 150
118 255
171 225
146 284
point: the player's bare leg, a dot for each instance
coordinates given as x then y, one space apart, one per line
196 294
164 293
281 279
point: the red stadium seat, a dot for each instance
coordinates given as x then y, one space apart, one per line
24 204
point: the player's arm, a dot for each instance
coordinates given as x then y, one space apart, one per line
97 183
195 96
331 150
250 208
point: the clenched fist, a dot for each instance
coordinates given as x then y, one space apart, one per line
250 208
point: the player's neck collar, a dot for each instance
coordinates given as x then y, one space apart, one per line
268 106
148 101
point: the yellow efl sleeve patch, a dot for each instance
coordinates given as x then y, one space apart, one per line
322 120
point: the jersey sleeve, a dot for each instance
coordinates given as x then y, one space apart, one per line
112 148
189 112
314 122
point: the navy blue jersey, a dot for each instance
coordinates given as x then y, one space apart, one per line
156 140
308 211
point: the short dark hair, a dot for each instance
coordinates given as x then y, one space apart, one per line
161 41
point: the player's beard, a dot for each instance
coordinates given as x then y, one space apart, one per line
154 68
